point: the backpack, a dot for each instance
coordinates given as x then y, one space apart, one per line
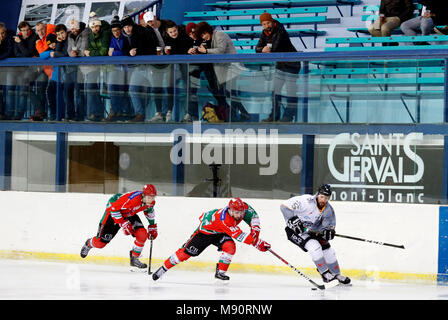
213 113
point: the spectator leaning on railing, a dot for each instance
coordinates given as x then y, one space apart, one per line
38 98
24 47
117 74
99 41
78 43
392 14
274 38
9 75
221 43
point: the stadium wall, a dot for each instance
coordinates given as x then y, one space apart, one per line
54 226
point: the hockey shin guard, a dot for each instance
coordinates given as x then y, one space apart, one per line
178 257
315 250
331 260
140 238
228 250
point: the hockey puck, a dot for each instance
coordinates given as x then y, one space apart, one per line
313 288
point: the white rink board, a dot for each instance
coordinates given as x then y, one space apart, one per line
61 222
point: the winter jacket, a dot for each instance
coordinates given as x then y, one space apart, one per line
121 46
41 44
51 71
26 48
80 41
403 9
7 45
281 42
99 43
61 49
143 39
181 44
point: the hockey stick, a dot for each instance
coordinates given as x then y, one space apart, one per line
371 241
320 286
150 258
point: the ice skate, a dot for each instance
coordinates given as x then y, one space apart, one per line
221 275
158 274
343 280
85 249
136 265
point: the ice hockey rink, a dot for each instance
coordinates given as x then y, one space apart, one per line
42 280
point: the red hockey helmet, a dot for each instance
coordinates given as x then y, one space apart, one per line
237 204
149 190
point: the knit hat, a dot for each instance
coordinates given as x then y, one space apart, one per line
190 27
94 22
115 23
127 21
51 38
266 16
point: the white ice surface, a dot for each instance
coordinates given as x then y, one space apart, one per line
38 280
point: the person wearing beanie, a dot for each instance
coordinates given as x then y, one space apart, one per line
274 38
52 73
117 74
99 41
74 93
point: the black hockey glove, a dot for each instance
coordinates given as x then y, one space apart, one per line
296 225
328 234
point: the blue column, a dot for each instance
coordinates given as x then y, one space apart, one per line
5 159
307 163
61 162
178 168
442 273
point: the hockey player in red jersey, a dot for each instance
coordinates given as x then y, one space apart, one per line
121 212
219 227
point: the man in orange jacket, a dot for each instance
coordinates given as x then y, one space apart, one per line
42 30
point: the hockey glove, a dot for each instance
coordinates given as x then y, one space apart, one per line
328 234
262 245
296 225
255 233
127 227
152 231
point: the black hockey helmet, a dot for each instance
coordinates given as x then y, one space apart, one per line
324 189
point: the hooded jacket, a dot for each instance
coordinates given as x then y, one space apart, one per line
79 42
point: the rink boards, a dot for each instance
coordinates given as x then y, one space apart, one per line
54 226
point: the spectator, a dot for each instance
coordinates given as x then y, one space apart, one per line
433 13
218 42
142 41
195 73
392 14
274 38
117 75
24 47
178 42
52 73
67 112
39 100
8 75
74 81
162 74
99 41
